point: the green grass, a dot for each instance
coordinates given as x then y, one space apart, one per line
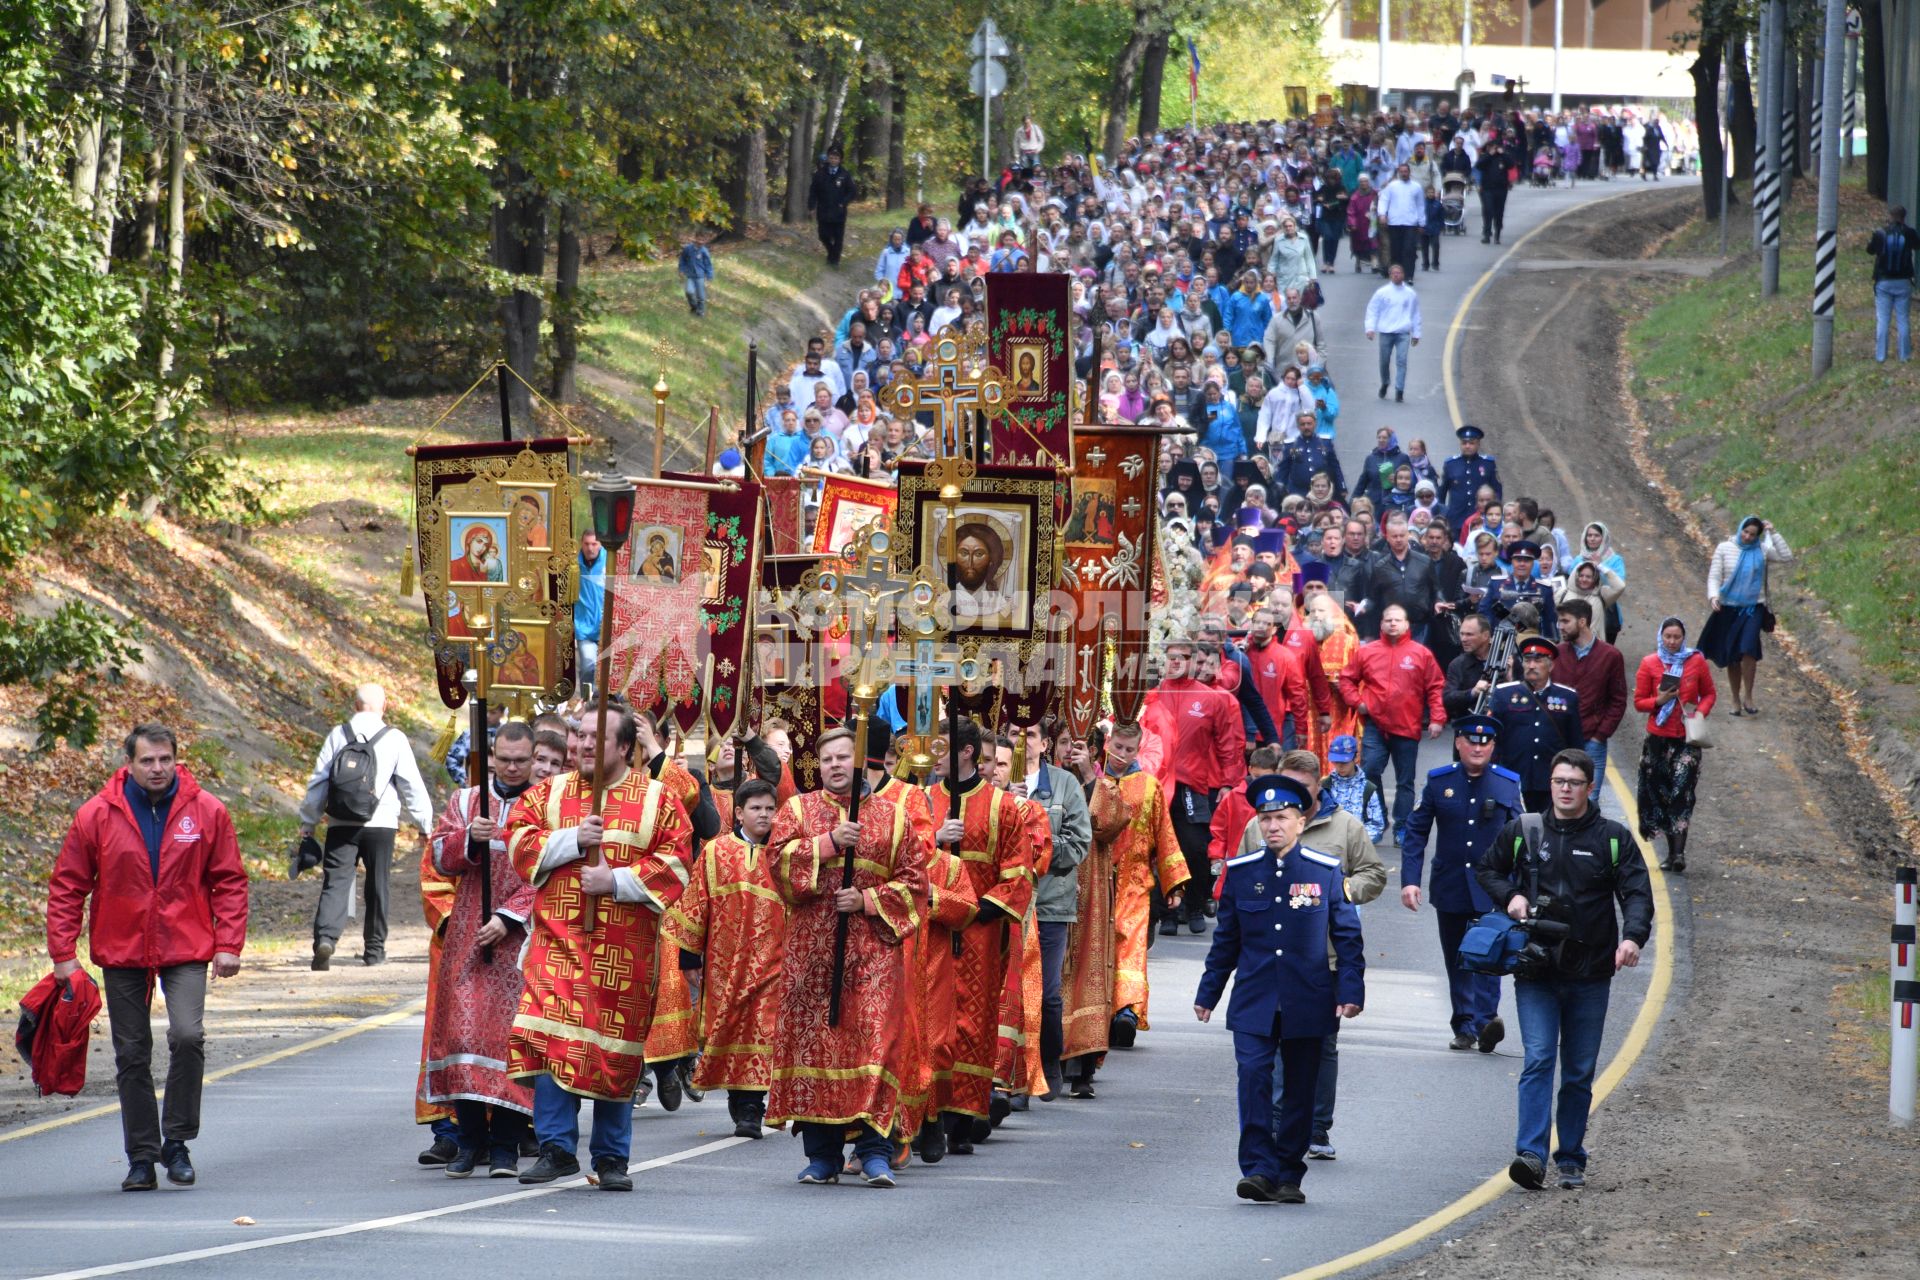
1830 461
644 329
307 459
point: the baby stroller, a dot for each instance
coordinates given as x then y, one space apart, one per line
1544 163
1453 199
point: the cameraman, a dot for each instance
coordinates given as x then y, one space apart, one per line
1563 876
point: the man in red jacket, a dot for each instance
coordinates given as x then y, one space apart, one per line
1597 672
1280 675
1297 635
1395 683
1206 755
158 857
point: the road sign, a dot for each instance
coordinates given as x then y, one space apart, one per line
992 73
987 41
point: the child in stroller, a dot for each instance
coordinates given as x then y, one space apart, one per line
1453 201
1543 166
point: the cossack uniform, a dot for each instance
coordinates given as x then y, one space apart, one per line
1465 813
1534 727
1283 915
1461 478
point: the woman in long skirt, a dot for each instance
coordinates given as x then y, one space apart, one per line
1673 683
1737 590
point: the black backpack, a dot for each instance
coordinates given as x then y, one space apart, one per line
353 784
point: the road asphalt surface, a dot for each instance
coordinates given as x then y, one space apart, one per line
307 1163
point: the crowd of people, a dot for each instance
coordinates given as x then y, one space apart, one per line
905 963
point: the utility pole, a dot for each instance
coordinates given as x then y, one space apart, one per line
1466 53
1826 241
1559 37
1386 25
1762 178
1853 83
1770 121
1726 148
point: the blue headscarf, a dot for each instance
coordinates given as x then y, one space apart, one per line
1750 575
1674 661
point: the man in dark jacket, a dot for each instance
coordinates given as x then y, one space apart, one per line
1893 248
1400 574
828 197
157 856
1597 672
1576 865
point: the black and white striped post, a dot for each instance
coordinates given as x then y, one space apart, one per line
1826 236
1853 84
1772 110
1905 1022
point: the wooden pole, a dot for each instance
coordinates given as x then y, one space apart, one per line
506 411
603 670
713 428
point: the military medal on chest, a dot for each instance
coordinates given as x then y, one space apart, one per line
1303 895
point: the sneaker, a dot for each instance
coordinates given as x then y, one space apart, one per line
555 1162
1321 1151
173 1155
1124 1027
1169 926
1383 391
1197 923
442 1150
1528 1171
612 1173
1083 1088
373 958
1461 1040
463 1164
139 1177
1400 397
747 1128
505 1164
322 956
876 1172
902 1154
667 1085
643 1090
1289 1193
686 1080
819 1173
1572 1177
1492 1034
1257 1189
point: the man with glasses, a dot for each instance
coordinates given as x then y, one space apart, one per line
1575 865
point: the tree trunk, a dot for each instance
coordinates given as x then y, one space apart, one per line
147 234
520 249
1706 113
1740 122
1153 75
566 320
1126 70
84 176
1873 76
799 157
877 126
1804 91
756 179
897 147
842 81
176 213
106 192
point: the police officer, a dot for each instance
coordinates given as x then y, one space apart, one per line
1520 587
1464 473
1282 909
1538 718
1469 801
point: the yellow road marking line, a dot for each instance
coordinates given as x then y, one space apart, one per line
397 1014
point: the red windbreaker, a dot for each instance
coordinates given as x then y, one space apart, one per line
1206 740
1399 684
55 1019
199 906
1280 676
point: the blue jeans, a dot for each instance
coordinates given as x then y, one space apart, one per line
1395 347
1053 958
1376 750
556 1120
1597 748
586 660
1559 1019
1892 300
696 290
827 1142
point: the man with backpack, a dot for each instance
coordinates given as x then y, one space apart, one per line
363 778
1568 867
1894 249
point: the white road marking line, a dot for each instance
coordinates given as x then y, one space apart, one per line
375 1224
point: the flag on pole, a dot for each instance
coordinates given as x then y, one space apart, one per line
1193 71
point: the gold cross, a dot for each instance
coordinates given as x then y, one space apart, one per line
953 388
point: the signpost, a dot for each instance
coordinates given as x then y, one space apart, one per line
988 78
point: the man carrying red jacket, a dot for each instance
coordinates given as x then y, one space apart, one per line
1206 755
158 857
1395 683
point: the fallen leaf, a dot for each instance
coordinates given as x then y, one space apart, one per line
243 1221
1136 1145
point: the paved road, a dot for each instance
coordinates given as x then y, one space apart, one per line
317 1149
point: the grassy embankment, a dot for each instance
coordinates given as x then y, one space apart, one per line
1739 420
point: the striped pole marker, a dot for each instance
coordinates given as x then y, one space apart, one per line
1906 1051
1826 227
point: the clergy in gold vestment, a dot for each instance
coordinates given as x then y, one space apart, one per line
829 1076
582 1026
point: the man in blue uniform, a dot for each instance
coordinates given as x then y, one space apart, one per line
1521 587
1464 473
1282 910
1538 719
1469 801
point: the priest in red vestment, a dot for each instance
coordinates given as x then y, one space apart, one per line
828 1078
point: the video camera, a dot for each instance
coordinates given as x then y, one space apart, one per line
1545 934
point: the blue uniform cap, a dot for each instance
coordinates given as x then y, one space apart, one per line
1343 749
1274 793
1470 432
1477 727
1531 550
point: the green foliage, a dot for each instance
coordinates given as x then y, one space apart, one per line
60 656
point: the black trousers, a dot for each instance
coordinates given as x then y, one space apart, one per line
1493 211
833 235
1405 242
129 999
1430 250
1195 838
348 847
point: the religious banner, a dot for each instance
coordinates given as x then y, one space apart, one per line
848 504
494 541
1109 550
729 567
790 663
1029 332
785 521
653 594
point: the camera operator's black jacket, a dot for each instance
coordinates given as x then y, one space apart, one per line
1576 868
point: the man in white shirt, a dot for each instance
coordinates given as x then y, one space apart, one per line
816 368
1393 318
1404 204
395 784
1029 141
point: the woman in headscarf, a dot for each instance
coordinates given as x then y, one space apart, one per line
1423 468
1425 496
1596 547
1673 682
1360 224
1291 258
1399 496
1737 590
1326 401
1598 586
1377 468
